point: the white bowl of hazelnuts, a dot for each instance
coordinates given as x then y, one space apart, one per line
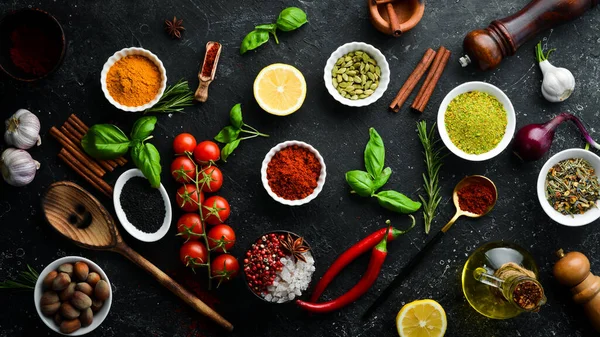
72 296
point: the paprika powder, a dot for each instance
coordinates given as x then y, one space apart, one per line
209 62
293 172
33 51
475 198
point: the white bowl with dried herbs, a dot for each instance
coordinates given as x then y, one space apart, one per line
567 183
356 74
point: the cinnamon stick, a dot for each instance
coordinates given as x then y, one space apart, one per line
394 21
435 72
75 143
75 134
85 173
80 129
84 129
412 80
72 148
382 2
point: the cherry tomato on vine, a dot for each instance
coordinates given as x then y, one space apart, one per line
183 169
189 198
189 226
211 179
193 253
215 210
221 238
184 142
207 151
224 267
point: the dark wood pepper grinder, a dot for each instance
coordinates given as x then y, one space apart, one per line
573 270
487 47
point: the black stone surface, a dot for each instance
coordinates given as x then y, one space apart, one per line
335 220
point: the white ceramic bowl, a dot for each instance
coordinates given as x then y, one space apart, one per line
373 53
567 220
98 317
487 88
126 52
265 164
130 228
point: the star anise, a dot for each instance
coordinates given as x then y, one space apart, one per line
295 247
175 27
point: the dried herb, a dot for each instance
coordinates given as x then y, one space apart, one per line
431 179
296 247
572 186
174 99
174 28
25 280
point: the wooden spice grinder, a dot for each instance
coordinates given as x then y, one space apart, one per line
487 47
573 270
394 17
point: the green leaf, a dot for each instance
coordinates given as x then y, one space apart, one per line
227 149
235 116
105 141
147 159
269 27
382 179
374 154
143 128
227 135
253 40
360 182
397 202
291 18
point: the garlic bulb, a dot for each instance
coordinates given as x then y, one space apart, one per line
558 83
23 130
17 166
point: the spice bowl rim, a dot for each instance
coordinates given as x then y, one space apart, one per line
128 52
98 316
250 246
320 180
576 220
129 227
489 89
373 53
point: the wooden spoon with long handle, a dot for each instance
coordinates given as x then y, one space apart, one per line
79 217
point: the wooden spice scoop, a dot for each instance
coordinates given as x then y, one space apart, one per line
201 94
80 217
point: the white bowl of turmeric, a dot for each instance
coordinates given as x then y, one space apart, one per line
133 79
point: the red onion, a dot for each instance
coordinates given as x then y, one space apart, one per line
534 140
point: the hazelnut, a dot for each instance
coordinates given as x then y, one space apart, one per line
47 283
70 326
81 301
92 279
96 305
85 288
81 271
49 297
102 291
66 268
61 282
68 292
50 309
87 316
58 318
68 311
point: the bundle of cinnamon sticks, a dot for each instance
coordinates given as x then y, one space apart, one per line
436 63
92 170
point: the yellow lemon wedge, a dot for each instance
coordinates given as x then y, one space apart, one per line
423 318
280 89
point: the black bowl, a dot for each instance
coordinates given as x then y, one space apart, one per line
295 236
37 23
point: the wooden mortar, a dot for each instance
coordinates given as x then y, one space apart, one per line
394 17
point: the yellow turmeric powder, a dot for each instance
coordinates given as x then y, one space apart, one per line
133 80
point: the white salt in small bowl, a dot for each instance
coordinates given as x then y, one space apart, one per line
129 227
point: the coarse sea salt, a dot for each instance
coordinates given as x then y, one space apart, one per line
291 280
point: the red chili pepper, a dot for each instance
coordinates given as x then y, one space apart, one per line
378 254
352 254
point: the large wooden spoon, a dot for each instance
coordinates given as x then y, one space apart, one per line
79 217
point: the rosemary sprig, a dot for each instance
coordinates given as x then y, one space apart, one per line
25 280
174 99
433 161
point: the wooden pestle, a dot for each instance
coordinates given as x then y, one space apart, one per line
573 270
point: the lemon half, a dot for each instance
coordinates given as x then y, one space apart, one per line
280 89
423 318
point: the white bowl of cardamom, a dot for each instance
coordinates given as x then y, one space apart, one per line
133 79
356 74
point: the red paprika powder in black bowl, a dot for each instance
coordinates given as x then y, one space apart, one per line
32 44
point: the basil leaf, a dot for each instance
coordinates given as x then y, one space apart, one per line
227 149
360 182
227 135
374 154
382 179
253 40
235 116
143 128
397 202
105 141
291 18
271 28
146 157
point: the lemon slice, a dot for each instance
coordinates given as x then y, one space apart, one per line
423 318
280 89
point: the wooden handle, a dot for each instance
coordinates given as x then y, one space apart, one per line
173 286
201 94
